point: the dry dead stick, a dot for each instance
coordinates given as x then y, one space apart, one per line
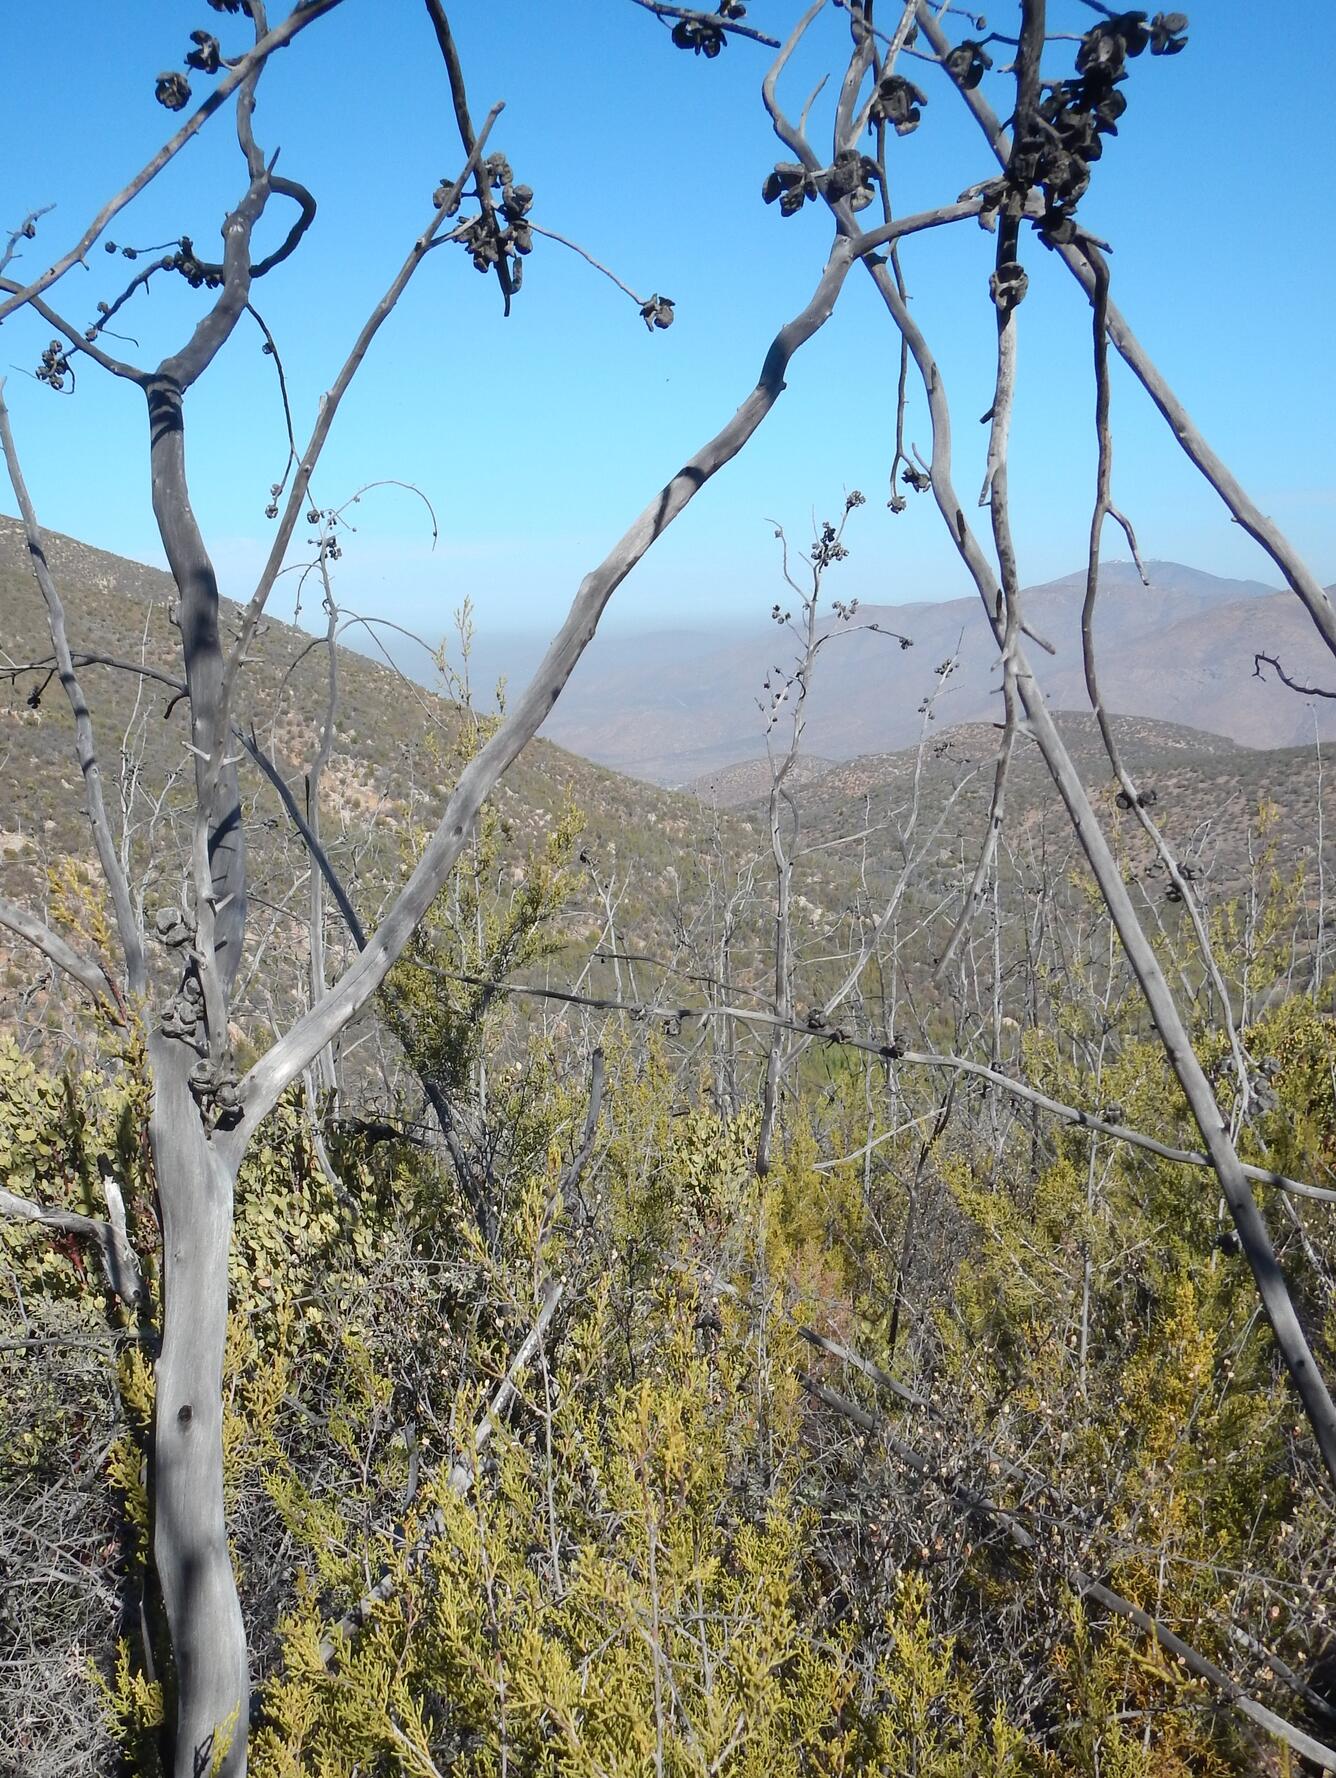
459 1481
980 1506
1017 1089
119 1259
89 975
285 1061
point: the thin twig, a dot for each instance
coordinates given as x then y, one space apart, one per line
903 1058
300 17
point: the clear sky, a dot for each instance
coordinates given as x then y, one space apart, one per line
538 438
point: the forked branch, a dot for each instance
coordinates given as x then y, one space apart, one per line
303 1042
297 20
89 975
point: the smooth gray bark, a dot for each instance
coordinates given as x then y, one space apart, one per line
190 1551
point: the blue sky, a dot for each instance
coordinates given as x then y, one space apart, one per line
539 438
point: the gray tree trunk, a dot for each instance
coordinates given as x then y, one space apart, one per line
195 1180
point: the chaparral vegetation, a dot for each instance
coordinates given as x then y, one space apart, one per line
509 1271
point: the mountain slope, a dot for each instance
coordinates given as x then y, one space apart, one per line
654 863
1145 745
387 778
1231 813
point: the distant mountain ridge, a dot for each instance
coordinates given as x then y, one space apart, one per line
680 707
659 851
1233 814
1180 650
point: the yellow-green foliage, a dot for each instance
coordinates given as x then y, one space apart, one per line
292 1225
816 1224
79 905
1106 1684
33 1109
126 1459
932 1725
134 1709
52 1130
636 1574
1295 1045
442 995
1106 1303
625 1592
